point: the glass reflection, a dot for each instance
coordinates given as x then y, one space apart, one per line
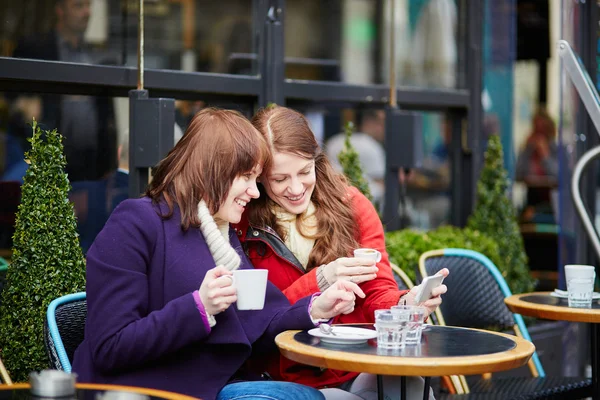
189 35
90 145
426 201
357 46
99 177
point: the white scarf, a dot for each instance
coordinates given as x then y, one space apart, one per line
217 239
299 245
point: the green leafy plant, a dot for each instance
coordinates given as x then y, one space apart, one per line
47 261
350 163
406 246
495 216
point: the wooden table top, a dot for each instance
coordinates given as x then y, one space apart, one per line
443 350
542 305
5 391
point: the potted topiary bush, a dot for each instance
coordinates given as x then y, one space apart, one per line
47 261
496 216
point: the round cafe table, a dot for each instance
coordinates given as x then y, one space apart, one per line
543 305
86 391
444 350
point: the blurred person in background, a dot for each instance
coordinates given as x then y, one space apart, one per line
368 143
86 122
537 165
539 157
427 203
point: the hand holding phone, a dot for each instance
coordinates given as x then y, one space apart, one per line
428 284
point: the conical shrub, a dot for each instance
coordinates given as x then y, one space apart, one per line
47 260
495 216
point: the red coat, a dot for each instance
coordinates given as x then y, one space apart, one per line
267 251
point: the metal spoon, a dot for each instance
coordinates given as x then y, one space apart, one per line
327 329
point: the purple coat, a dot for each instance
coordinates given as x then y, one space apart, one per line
143 327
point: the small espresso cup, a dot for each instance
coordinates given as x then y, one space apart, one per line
251 287
370 254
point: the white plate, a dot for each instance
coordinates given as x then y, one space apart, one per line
344 335
562 294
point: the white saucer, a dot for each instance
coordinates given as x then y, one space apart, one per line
344 335
562 294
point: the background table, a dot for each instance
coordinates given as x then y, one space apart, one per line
89 391
444 350
542 305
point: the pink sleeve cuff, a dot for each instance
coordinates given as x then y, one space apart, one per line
201 310
317 322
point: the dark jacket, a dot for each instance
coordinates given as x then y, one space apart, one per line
143 327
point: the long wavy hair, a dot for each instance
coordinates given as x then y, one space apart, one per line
218 146
287 131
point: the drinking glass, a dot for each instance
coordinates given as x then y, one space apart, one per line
390 330
415 318
580 292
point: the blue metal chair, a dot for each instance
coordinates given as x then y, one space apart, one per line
64 329
475 299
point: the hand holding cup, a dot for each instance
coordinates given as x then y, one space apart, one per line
361 268
217 292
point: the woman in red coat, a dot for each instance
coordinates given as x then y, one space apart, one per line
304 232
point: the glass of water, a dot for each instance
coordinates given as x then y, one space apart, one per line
390 330
580 292
415 318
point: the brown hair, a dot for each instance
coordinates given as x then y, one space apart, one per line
543 123
287 131
218 146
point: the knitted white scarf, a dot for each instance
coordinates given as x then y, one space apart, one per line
217 239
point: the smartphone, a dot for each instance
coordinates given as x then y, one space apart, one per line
428 284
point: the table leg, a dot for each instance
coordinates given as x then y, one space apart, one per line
426 388
380 387
595 342
403 387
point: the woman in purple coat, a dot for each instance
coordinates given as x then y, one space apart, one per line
159 292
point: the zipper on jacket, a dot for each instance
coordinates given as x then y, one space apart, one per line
267 232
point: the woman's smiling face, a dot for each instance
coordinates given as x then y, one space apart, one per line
290 182
243 189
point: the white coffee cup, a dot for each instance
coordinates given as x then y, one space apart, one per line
370 254
251 287
579 271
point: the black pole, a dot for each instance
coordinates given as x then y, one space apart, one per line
272 54
138 176
455 154
473 159
124 32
